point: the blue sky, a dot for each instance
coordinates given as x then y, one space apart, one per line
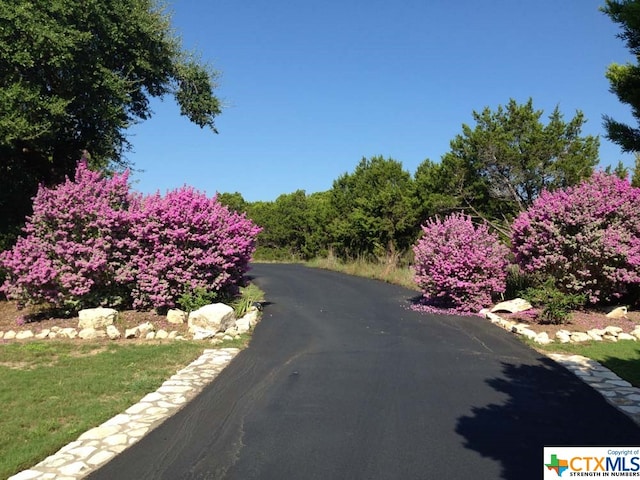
310 87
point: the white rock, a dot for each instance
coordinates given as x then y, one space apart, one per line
161 334
176 316
150 335
519 327
563 337
227 338
26 475
595 335
10 335
216 317
253 316
232 331
512 306
201 333
145 328
172 334
88 333
42 334
117 439
101 457
113 333
68 333
131 332
73 468
526 332
636 333
626 336
1 335
243 324
619 312
543 338
98 433
610 330
579 337
96 317
611 338
24 334
506 324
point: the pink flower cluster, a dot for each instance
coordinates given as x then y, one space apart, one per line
187 241
459 265
587 237
90 241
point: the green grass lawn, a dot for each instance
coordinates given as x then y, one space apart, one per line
53 391
623 358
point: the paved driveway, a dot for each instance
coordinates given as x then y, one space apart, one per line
342 381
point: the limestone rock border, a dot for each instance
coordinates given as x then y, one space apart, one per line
144 331
610 333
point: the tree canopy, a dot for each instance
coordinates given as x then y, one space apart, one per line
74 76
503 163
625 79
375 208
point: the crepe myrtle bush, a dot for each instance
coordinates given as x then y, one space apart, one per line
90 241
459 265
586 237
76 245
188 242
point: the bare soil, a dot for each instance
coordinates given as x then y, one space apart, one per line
12 318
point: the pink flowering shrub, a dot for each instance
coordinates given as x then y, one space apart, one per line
586 237
188 241
76 246
459 265
91 242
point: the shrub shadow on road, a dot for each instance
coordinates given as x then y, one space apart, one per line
545 405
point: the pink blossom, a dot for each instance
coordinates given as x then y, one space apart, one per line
459 265
587 237
90 241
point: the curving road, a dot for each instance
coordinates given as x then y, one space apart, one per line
342 381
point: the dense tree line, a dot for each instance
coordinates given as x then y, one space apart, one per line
493 171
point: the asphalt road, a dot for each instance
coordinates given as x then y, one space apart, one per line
343 381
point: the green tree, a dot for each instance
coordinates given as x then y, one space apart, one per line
294 225
434 190
74 75
235 201
374 209
625 79
290 224
502 164
320 214
619 171
635 178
